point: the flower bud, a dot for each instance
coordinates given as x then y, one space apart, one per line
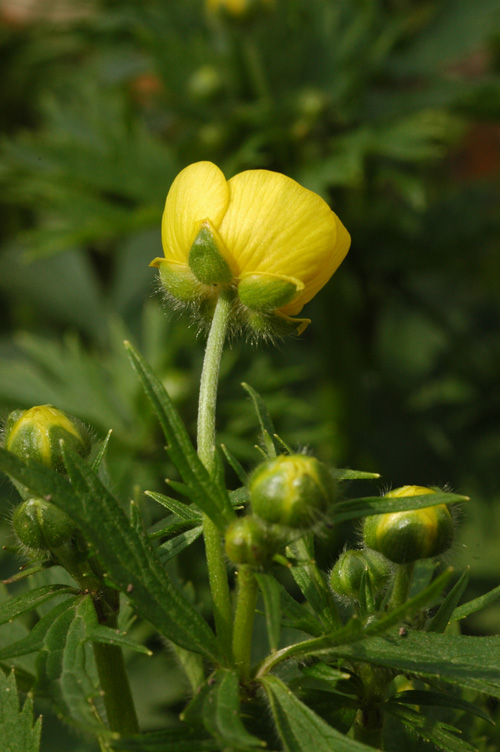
249 541
36 433
291 490
266 292
346 575
41 526
404 537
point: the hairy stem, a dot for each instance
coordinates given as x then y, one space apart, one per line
244 619
401 585
217 571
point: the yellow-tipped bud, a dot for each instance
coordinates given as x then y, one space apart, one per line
36 434
404 537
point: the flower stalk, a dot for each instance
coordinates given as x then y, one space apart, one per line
217 571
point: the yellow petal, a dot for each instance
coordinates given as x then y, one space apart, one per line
198 193
274 225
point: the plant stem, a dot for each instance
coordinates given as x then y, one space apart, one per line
401 585
244 618
117 695
118 699
217 572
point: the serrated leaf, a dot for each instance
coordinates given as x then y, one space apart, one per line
271 592
299 728
221 714
207 495
21 604
353 509
128 557
265 422
441 619
109 636
476 605
17 731
441 734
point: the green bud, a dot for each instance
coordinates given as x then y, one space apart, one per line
404 537
205 83
36 434
292 490
272 325
41 526
205 258
346 575
267 292
249 541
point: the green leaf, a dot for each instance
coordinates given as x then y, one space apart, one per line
34 641
108 636
221 713
477 604
65 667
347 474
438 699
97 461
208 496
442 618
235 464
469 662
271 592
183 511
300 729
128 556
325 673
17 732
266 424
133 564
169 740
353 509
25 602
174 546
441 734
312 582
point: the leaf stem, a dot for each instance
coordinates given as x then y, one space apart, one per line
244 619
217 572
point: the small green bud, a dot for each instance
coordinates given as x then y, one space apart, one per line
272 325
205 83
292 490
404 537
346 575
36 434
41 526
178 280
249 541
263 292
205 258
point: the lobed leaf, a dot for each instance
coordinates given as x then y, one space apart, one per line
222 717
441 734
17 731
299 728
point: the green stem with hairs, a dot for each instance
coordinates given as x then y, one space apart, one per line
217 572
401 585
244 619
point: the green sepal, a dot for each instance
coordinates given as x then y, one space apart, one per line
178 280
205 258
272 325
264 292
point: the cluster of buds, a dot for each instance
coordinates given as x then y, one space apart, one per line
43 530
261 235
289 495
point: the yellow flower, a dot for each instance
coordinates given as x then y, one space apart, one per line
234 7
260 231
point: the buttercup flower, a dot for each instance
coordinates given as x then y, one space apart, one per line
234 7
261 232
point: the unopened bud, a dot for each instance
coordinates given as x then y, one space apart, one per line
404 537
346 575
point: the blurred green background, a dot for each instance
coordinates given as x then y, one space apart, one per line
390 109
